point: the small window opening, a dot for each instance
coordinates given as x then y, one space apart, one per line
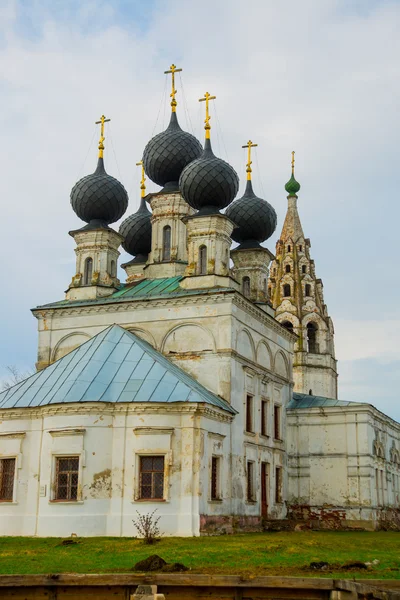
151 477
250 481
312 338
67 474
264 417
303 269
113 268
289 248
277 422
286 290
166 248
287 268
249 413
300 248
88 272
215 477
288 325
203 260
7 472
278 485
246 286
308 289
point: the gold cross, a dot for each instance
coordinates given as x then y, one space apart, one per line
173 70
293 162
249 146
142 181
102 138
207 125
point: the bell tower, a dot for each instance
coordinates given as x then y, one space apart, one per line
298 299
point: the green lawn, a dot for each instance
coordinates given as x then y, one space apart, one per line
284 553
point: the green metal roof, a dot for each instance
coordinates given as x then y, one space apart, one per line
113 366
165 287
307 401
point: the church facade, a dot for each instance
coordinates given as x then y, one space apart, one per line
205 386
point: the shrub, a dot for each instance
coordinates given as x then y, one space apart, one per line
147 527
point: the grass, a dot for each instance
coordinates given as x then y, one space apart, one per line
283 553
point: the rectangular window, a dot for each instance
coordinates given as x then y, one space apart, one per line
249 413
277 422
215 478
7 472
250 481
264 417
151 477
67 476
278 485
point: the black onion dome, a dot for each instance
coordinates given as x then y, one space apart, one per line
168 153
136 231
254 217
208 184
99 197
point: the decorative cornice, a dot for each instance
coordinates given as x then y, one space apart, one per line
14 435
62 432
153 430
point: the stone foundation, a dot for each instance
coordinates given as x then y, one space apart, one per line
221 524
303 516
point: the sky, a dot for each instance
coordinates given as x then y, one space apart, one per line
317 77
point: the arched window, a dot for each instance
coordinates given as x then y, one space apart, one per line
287 268
203 260
246 286
113 268
289 248
286 290
288 325
166 247
312 338
303 269
308 289
88 272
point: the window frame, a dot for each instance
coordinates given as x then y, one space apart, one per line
13 490
277 422
246 288
86 271
249 414
215 479
264 417
250 481
56 459
287 287
203 260
166 249
138 494
278 485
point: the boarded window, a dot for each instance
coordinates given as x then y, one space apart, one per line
250 481
151 477
203 260
278 485
286 290
277 422
264 417
215 476
7 471
249 413
166 248
87 276
67 476
246 286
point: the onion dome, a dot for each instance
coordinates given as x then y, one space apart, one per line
99 198
254 217
292 186
208 184
136 229
168 153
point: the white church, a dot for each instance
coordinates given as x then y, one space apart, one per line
204 386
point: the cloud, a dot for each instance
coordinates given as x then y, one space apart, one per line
318 77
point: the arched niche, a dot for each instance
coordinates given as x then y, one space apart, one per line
264 355
280 365
144 335
69 343
245 345
188 338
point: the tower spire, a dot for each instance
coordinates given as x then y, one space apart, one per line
172 71
102 138
249 146
292 186
207 126
293 163
143 180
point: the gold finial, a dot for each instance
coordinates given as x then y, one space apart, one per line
292 162
102 138
142 181
249 146
173 70
207 125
